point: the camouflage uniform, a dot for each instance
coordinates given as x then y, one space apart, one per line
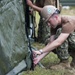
67 47
43 31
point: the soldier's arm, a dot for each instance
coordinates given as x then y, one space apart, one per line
62 37
33 6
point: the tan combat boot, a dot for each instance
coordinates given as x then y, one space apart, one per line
64 64
73 60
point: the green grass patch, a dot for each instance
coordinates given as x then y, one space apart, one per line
48 61
70 11
40 71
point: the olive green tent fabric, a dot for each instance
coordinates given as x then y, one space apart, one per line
13 41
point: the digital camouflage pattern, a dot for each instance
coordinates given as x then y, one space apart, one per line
67 47
62 51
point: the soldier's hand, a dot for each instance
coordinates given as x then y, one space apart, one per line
36 52
29 2
36 60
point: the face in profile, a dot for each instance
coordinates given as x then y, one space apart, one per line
53 21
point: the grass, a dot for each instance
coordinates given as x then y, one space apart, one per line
48 61
70 11
40 71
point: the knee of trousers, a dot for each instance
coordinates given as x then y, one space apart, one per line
62 51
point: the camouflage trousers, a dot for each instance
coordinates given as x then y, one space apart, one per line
67 47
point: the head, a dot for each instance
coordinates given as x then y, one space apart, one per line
50 15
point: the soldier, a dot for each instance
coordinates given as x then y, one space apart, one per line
62 34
